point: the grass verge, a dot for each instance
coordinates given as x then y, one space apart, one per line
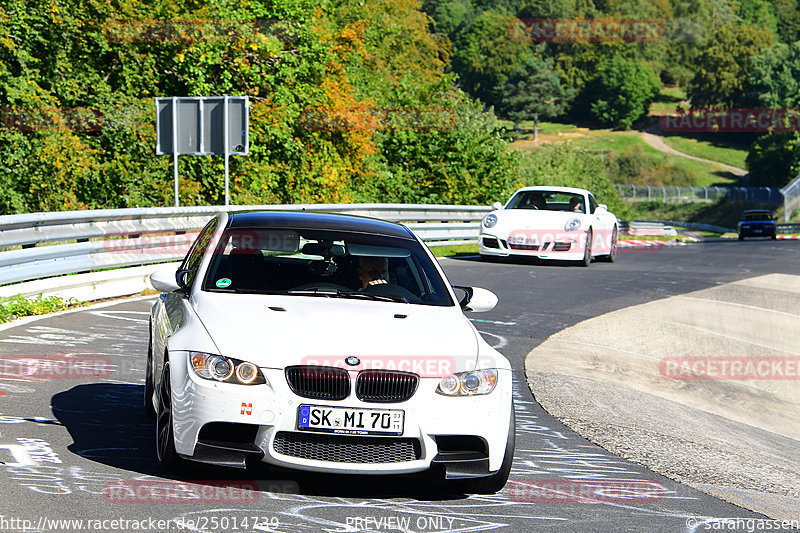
454 251
18 307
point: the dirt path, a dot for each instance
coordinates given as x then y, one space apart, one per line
656 141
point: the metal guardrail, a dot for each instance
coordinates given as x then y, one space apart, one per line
665 194
67 242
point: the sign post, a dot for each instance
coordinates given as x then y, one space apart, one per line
202 125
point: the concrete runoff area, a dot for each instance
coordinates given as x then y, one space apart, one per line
676 385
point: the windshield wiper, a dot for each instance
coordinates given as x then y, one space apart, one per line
338 293
314 292
373 296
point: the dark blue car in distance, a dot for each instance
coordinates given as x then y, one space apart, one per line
756 223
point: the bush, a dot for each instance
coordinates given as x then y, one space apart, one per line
634 166
561 165
16 307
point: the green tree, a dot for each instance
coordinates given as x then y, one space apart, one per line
773 80
535 89
774 159
484 55
723 64
622 91
788 15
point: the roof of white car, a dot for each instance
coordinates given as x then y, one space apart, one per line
553 189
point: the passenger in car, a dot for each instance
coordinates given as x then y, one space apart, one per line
372 271
576 204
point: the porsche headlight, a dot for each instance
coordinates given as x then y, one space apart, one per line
468 383
489 221
225 369
572 224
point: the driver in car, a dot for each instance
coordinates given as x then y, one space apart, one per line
372 271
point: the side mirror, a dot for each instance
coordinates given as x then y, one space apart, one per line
476 299
497 206
164 280
604 207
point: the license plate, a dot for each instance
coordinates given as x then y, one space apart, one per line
756 231
350 421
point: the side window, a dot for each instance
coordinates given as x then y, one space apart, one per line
592 204
198 249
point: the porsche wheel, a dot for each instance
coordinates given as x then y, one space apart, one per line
587 253
612 253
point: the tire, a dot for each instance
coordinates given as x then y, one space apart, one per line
495 482
612 255
166 455
149 410
489 258
587 253
774 237
741 237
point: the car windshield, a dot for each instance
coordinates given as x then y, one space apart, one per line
757 216
548 200
326 264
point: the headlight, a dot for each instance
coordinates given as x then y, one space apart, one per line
225 369
572 224
489 221
468 383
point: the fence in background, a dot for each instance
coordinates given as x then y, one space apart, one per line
791 198
755 195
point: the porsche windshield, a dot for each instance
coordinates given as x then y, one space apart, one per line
326 264
548 201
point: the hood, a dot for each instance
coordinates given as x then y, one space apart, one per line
534 219
278 331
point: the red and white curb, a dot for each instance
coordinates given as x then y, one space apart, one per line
779 236
632 243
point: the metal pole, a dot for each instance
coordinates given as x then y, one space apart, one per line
175 146
226 149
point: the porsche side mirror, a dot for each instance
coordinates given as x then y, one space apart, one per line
497 206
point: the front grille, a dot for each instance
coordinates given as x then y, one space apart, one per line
319 382
515 246
341 449
385 385
562 246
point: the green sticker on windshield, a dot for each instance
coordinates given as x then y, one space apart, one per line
223 283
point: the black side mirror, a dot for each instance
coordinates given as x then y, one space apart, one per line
466 297
182 277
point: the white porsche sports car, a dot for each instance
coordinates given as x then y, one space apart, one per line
561 223
327 343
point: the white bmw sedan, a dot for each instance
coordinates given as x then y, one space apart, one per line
326 343
560 223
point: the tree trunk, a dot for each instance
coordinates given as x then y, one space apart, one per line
535 127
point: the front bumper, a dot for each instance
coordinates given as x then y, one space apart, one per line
563 248
435 427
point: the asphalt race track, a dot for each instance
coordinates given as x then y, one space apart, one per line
81 449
